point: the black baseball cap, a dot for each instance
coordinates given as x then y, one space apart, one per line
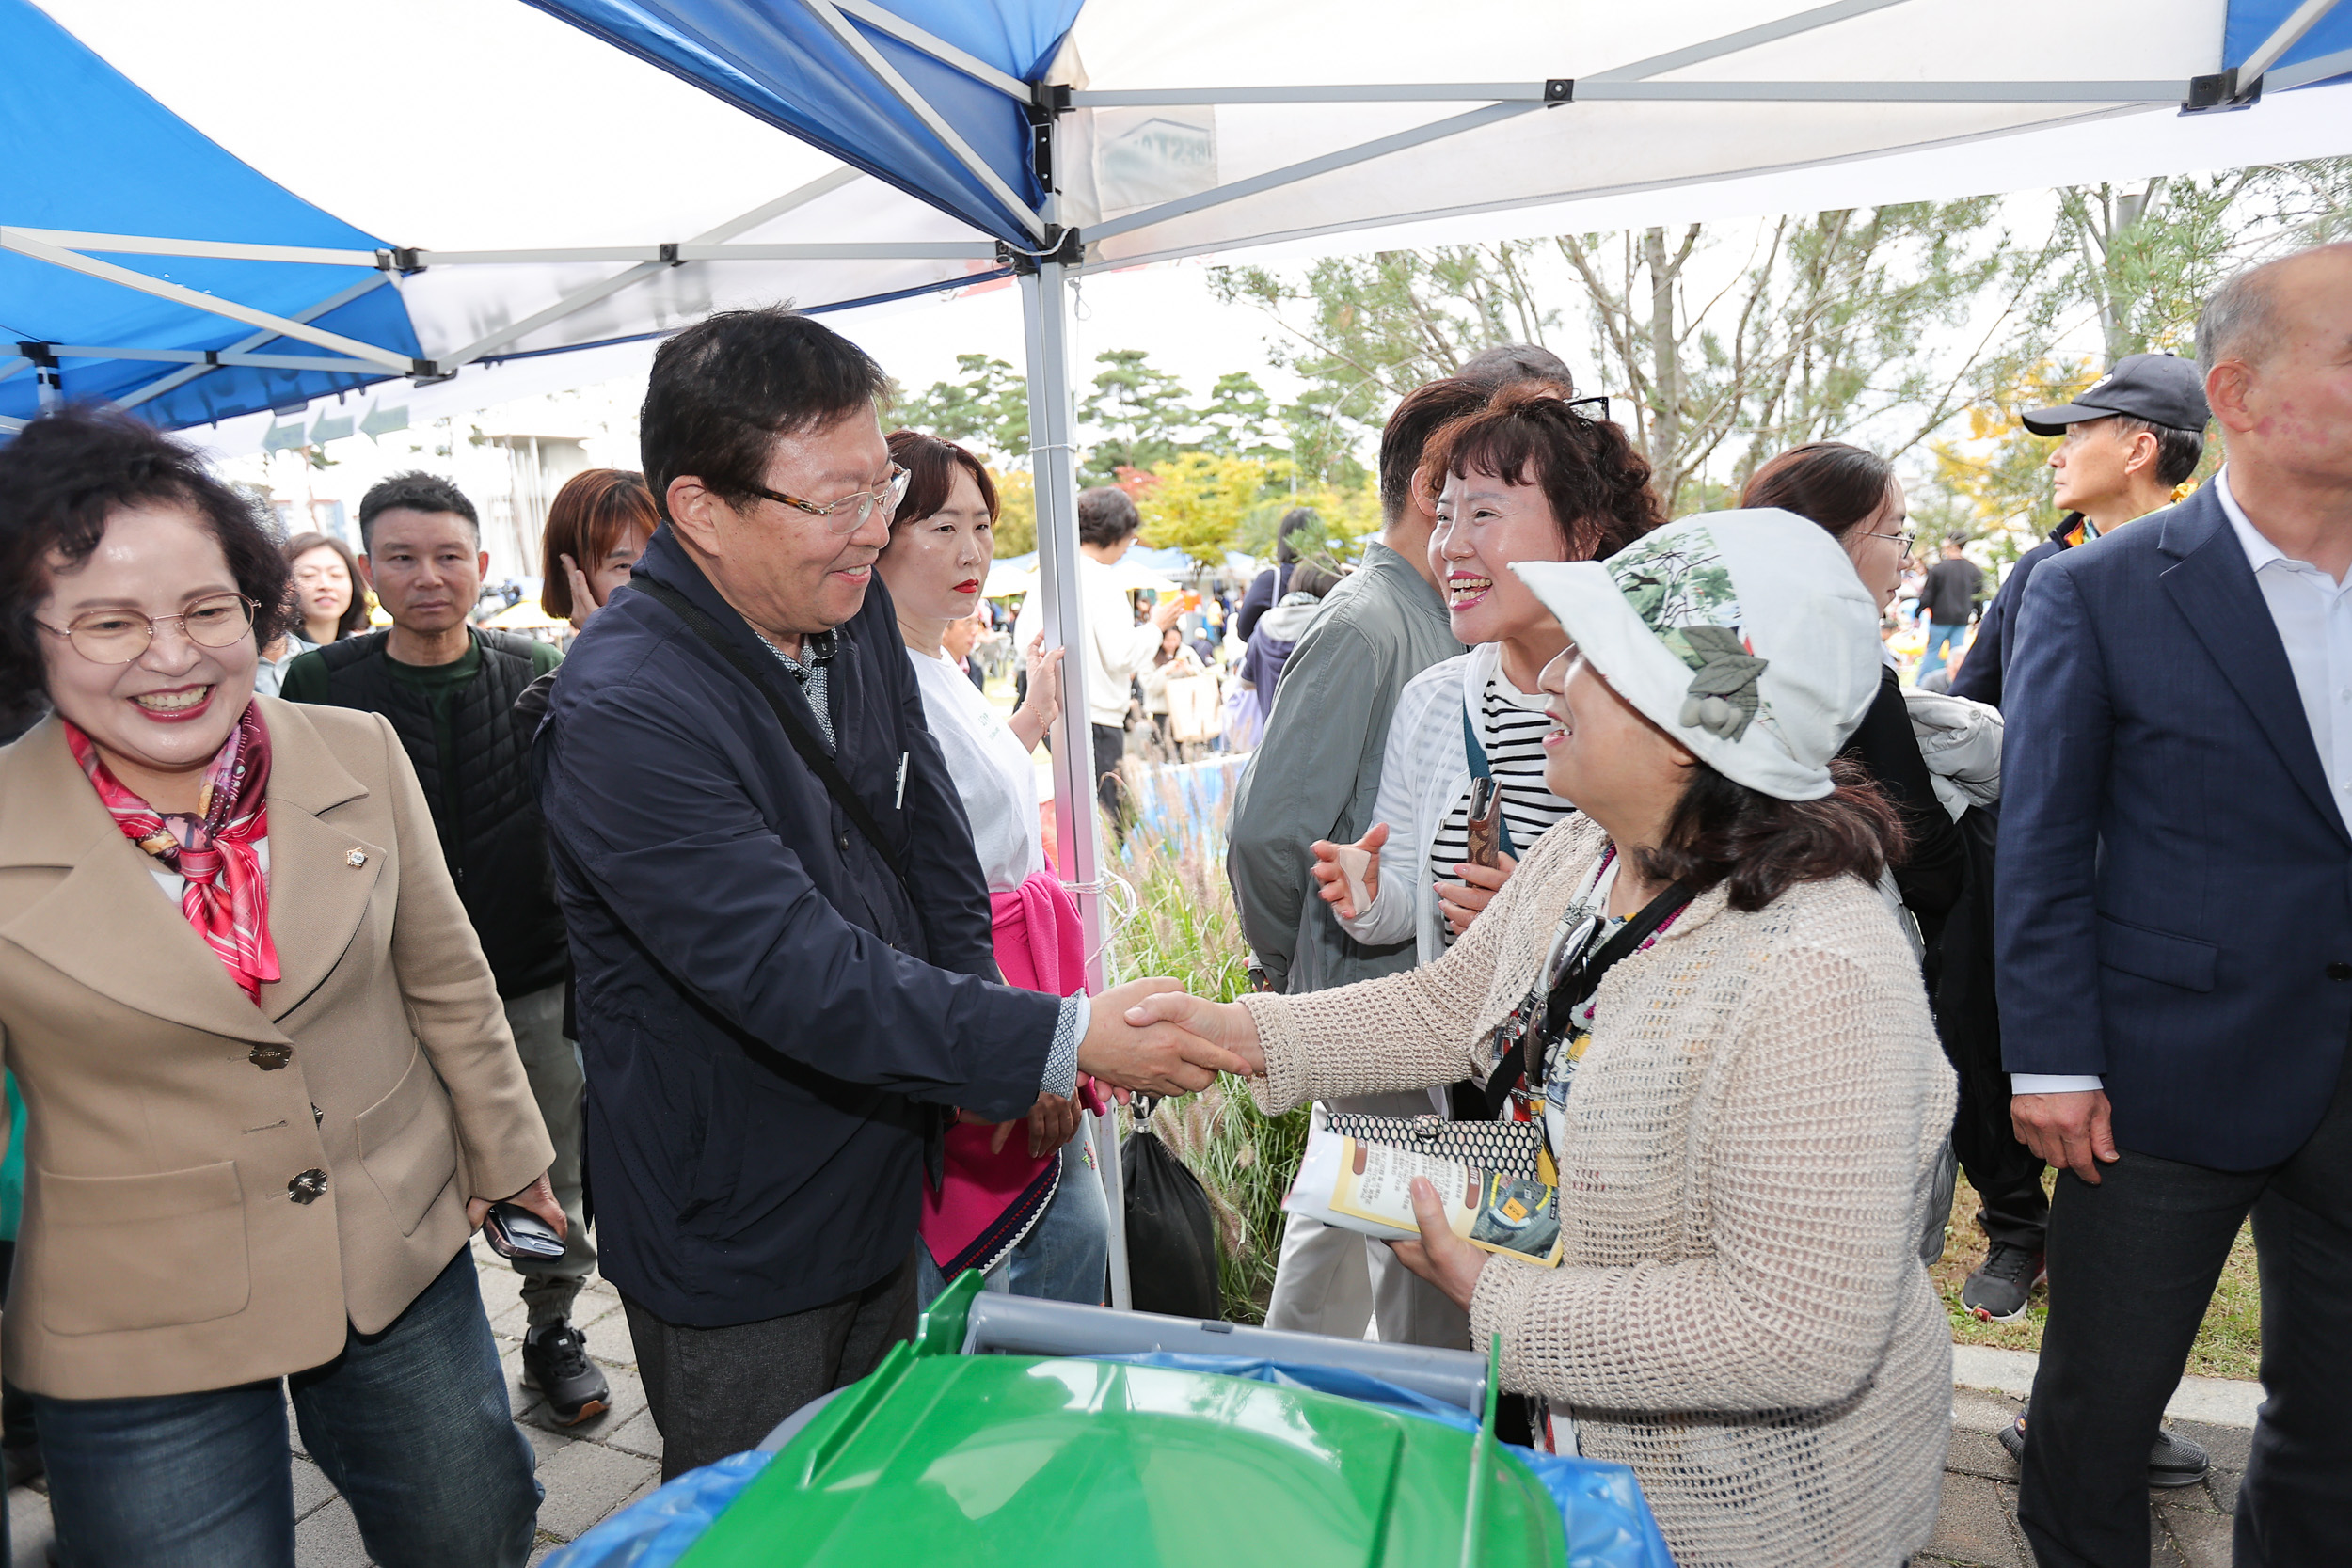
2162 388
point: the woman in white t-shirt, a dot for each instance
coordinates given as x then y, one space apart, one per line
1022 1203
1530 477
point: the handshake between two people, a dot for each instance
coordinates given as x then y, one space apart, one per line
1148 1037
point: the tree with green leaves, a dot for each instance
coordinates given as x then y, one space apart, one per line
988 408
1138 414
1721 345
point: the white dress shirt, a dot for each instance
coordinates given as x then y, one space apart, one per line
1116 644
2314 614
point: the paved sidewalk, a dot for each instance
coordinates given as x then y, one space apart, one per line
1978 1528
592 1469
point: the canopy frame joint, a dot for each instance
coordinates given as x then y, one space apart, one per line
1560 90
1063 246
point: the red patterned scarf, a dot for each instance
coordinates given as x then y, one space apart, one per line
226 898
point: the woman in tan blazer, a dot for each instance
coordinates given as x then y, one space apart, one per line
1696 991
269 1087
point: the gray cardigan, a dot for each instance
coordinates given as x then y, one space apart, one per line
1317 772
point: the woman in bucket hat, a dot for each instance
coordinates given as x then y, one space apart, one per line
1744 1108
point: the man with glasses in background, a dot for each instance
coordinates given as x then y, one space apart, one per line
449 689
782 943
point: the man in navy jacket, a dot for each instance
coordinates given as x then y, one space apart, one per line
776 1010
2175 941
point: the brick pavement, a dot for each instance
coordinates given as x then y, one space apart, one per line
1978 1527
591 1471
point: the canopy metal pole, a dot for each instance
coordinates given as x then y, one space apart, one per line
1045 318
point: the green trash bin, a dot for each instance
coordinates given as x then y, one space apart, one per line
954 1452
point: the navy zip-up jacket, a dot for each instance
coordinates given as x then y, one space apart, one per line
769 1026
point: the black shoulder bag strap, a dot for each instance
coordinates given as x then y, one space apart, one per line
1577 983
796 729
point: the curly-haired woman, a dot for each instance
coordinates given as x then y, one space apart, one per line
269 1087
1530 477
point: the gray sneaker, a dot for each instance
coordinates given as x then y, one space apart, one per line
1997 1291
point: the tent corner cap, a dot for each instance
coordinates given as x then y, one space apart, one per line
2220 92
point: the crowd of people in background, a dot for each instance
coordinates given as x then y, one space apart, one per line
726 951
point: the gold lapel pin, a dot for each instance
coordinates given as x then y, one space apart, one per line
357 857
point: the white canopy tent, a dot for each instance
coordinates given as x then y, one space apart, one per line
545 178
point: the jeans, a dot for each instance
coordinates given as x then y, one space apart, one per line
1940 638
1066 1255
411 1424
552 1063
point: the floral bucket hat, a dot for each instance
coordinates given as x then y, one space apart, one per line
1745 636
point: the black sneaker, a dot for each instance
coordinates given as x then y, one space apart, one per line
1996 1291
2174 1461
555 1362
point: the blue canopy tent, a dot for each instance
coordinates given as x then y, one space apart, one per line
839 152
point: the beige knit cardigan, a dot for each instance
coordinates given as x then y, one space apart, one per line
1740 1314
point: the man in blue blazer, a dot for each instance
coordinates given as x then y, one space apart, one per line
2175 942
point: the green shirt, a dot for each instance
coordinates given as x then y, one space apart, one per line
305 681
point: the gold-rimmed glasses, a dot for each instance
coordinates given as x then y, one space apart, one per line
849 514
120 636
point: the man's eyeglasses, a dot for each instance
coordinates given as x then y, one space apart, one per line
849 514
120 636
1580 404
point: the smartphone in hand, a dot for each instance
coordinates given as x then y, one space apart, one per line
1485 822
514 1232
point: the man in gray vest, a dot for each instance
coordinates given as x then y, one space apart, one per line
449 690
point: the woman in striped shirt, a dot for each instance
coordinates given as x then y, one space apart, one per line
1530 477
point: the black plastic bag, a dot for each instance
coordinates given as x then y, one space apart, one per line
1171 1236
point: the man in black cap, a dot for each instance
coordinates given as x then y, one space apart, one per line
2137 432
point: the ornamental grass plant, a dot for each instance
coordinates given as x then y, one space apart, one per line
1184 924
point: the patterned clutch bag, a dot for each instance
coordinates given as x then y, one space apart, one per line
1505 1148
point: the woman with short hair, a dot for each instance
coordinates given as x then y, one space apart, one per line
270 1091
1022 1203
1693 990
598 525
1530 477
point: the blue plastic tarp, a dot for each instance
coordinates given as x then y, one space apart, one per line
780 63
2252 20
85 150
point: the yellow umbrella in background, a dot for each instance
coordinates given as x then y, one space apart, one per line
525 615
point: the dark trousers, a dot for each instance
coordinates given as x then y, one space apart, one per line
411 1425
2008 1178
717 1391
1111 749
2132 1264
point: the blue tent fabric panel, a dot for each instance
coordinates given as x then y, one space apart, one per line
774 60
2252 20
88 150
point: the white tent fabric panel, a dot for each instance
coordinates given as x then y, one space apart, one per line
1547 155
